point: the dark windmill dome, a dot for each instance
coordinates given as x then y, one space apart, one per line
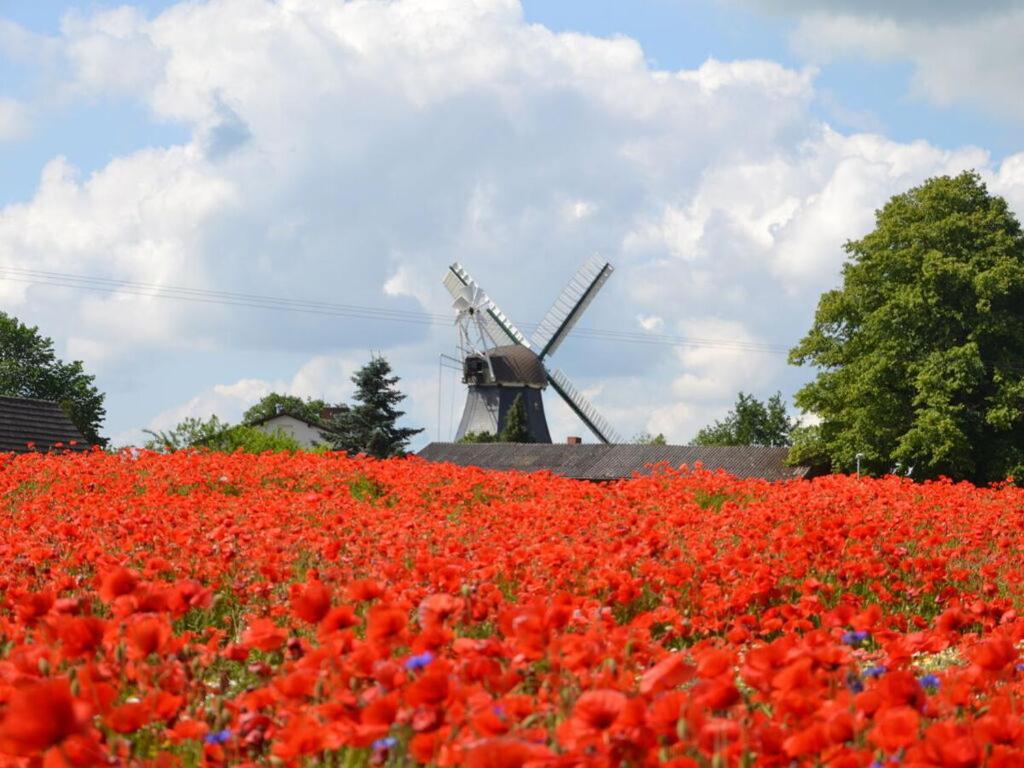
501 366
513 366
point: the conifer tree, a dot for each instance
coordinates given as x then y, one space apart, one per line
370 425
517 424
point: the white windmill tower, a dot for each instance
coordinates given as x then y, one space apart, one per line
499 364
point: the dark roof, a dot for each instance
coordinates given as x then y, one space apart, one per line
614 462
41 422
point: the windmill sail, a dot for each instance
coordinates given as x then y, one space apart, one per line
583 408
570 305
495 323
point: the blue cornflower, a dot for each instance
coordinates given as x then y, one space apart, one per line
1020 667
929 681
874 671
419 661
855 637
386 743
218 737
854 683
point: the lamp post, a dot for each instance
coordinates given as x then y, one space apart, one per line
859 456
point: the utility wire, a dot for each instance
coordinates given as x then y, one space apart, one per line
281 304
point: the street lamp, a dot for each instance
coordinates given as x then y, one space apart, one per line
859 456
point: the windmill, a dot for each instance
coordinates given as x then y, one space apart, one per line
499 364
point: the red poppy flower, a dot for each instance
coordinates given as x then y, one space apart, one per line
994 654
128 718
264 635
386 624
665 712
667 673
435 609
951 746
116 582
80 635
505 753
311 601
365 589
430 688
808 741
895 728
713 662
33 606
42 716
148 634
337 619
597 710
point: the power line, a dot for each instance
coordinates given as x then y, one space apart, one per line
282 304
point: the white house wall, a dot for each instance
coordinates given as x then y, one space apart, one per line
304 434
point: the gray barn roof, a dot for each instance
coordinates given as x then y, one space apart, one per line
614 462
41 422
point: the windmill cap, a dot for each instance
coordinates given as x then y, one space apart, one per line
516 365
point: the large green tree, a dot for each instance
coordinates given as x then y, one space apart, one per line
750 422
30 368
921 351
370 425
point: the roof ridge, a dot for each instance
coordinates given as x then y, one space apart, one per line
29 399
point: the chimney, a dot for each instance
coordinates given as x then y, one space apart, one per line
573 440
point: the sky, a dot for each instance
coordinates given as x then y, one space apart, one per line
717 152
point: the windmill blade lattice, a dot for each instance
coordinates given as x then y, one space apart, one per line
495 323
570 305
583 408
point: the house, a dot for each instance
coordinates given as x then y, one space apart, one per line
614 462
305 431
28 425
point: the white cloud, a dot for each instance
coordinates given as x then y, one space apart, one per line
226 401
326 378
957 59
906 9
111 51
14 120
787 215
349 152
322 377
711 370
407 281
579 209
650 323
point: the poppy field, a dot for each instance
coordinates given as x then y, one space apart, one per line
307 610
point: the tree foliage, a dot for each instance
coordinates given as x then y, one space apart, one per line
216 435
751 422
517 423
646 438
921 351
478 437
30 368
370 425
309 409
